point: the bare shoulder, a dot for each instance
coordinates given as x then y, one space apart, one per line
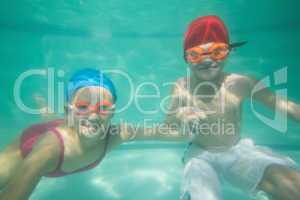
45 153
239 78
240 84
48 145
180 86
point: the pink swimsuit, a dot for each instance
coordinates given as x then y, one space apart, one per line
30 136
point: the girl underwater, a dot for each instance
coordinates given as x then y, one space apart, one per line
71 145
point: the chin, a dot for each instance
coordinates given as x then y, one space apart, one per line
88 129
214 71
208 75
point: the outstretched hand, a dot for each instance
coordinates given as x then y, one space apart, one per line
188 115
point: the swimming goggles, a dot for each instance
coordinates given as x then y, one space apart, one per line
216 52
102 107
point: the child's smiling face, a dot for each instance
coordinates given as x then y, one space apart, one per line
91 109
207 69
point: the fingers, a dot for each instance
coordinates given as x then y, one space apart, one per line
188 114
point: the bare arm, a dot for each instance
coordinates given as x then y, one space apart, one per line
170 129
180 113
161 132
270 99
175 103
40 161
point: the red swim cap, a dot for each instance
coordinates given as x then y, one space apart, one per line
205 29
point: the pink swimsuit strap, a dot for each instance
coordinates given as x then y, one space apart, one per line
58 171
61 156
30 136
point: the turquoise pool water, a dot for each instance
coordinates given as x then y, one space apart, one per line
144 39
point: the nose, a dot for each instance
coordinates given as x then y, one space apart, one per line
207 61
94 117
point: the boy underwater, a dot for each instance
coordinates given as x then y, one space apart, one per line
210 96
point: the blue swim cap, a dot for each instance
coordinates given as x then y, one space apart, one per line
89 77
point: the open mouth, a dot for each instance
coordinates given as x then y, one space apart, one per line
206 67
88 128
